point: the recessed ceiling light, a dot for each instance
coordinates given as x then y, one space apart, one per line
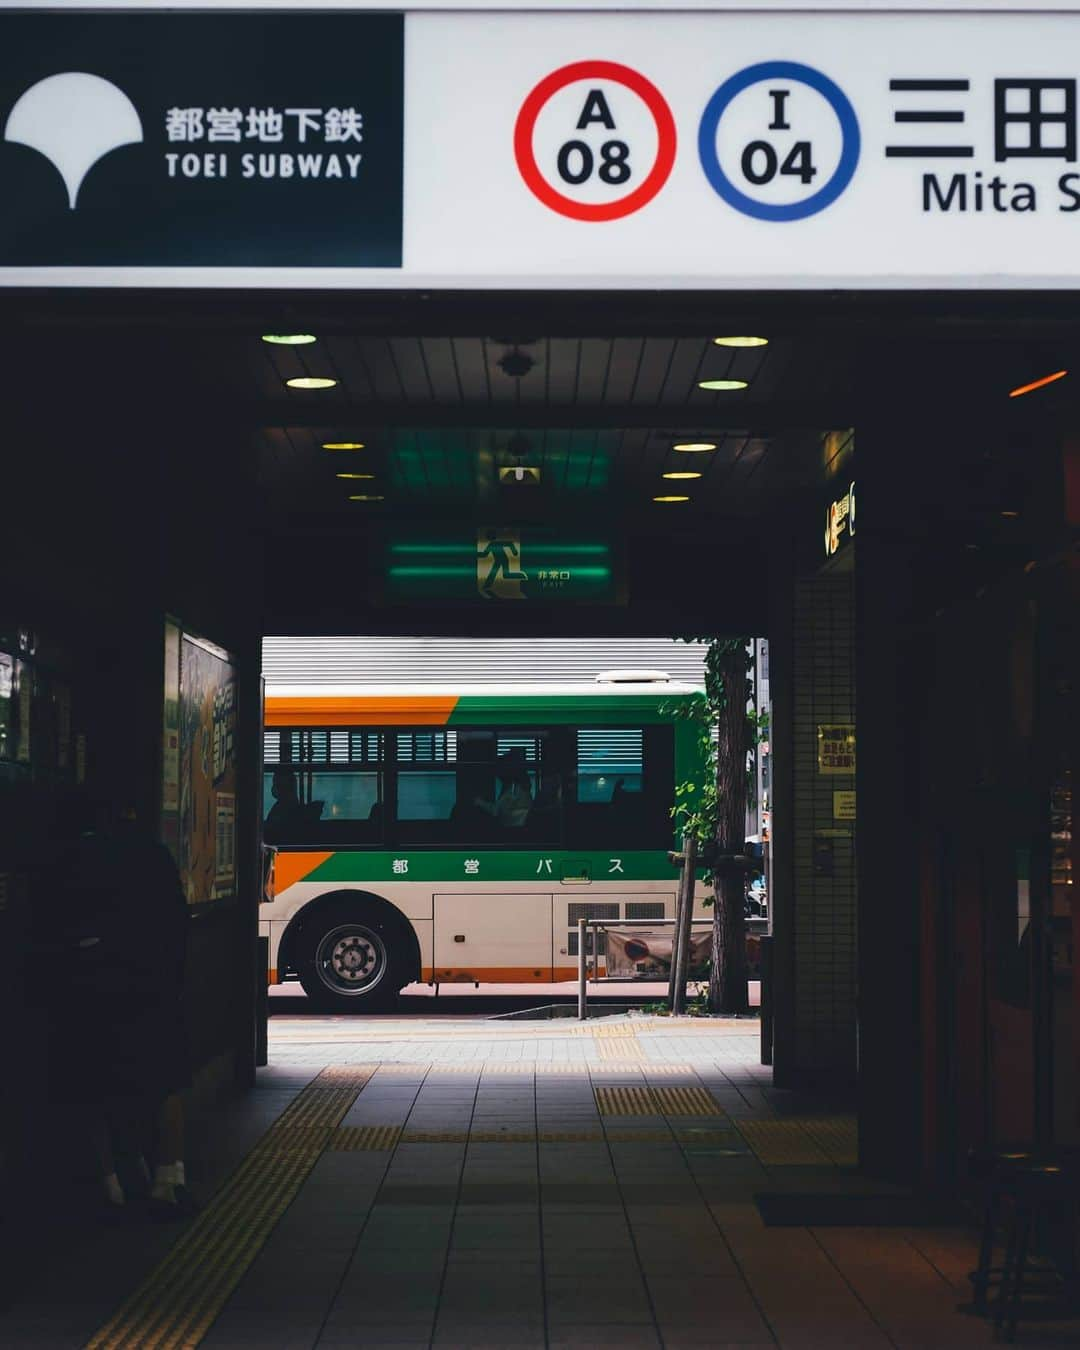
354 475
289 339
687 474
310 382
1037 384
722 384
694 447
741 342
671 499
1010 515
366 497
343 445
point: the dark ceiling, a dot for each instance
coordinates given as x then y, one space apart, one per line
597 419
591 390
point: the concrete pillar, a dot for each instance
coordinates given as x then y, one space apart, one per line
813 882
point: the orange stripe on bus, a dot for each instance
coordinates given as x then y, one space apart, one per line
330 710
498 975
484 975
293 867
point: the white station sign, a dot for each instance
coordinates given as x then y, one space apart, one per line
602 150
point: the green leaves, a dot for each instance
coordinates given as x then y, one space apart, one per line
697 807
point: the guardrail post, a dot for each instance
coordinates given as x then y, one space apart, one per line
681 953
766 999
582 989
679 896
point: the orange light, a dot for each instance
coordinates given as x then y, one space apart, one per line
1037 384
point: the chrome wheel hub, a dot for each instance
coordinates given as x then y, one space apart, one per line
351 959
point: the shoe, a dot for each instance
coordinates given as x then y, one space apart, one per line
185 1201
181 1206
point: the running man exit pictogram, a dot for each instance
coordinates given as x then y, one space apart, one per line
498 571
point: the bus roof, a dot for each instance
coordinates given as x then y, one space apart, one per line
499 689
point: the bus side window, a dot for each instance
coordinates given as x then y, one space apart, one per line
322 786
624 787
321 807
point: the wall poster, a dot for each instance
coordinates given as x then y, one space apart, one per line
170 744
199 765
836 747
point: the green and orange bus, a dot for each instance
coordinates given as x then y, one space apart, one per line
458 835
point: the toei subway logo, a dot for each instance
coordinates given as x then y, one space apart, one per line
74 120
176 140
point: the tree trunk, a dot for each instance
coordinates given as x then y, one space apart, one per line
728 973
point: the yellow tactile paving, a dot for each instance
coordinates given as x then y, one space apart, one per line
434 1137
364 1138
289 1138
620 1047
176 1304
508 1067
615 1135
528 1137
686 1101
502 1137
625 1101
572 1137
629 1100
782 1143
838 1136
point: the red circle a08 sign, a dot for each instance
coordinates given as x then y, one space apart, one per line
595 140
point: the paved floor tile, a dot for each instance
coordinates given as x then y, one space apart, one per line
493 1227
580 1298
593 1337
487 1336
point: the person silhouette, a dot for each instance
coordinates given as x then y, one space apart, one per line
287 814
501 551
511 808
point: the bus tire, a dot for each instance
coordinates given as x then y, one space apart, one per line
350 958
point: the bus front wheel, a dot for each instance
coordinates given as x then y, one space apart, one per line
348 962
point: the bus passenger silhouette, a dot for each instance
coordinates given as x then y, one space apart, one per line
500 551
288 814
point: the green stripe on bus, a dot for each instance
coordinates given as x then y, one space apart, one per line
586 710
534 865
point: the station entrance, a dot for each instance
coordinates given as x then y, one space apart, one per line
196 491
844 440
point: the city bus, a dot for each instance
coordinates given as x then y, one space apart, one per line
458 834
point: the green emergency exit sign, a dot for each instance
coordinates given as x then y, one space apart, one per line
500 565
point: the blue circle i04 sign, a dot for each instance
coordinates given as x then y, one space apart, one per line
761 162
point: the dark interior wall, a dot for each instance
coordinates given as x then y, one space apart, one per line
961 527
824 885
890 670
114 521
999 1053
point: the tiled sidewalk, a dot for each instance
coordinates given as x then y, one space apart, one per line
509 1184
